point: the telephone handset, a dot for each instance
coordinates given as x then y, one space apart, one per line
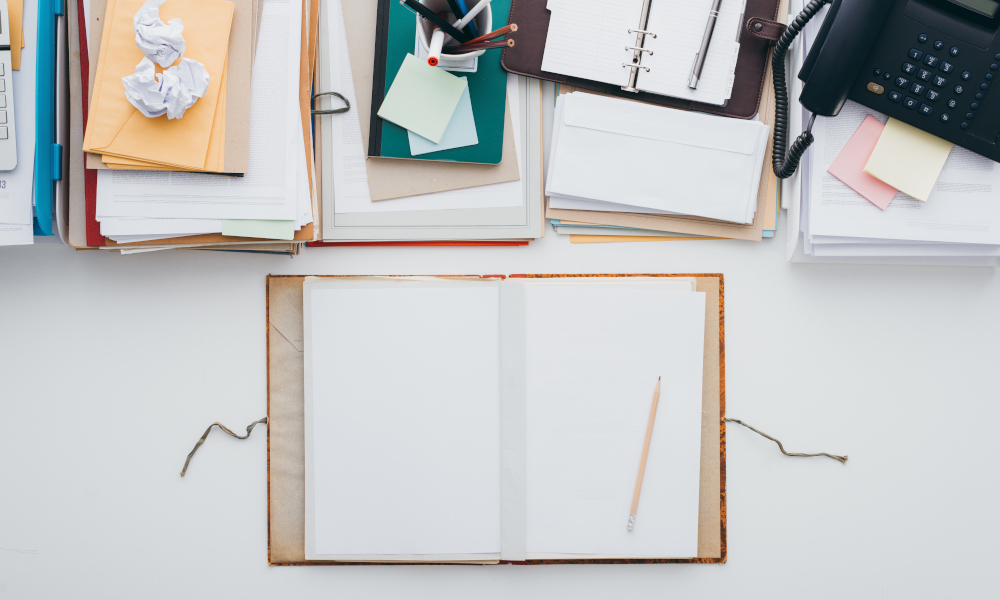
928 63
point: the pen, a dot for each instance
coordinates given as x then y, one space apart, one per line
699 59
473 12
459 12
434 51
426 13
465 9
645 453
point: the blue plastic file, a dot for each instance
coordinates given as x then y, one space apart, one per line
48 154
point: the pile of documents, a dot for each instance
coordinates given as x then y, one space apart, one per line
873 189
233 169
383 184
626 171
16 198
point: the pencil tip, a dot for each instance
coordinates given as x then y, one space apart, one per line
659 378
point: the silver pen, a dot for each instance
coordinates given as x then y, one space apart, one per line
699 59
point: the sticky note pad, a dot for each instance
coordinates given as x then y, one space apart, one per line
461 131
849 165
256 228
908 159
422 98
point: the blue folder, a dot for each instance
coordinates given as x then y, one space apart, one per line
51 105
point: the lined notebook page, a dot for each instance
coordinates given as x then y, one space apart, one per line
593 356
402 419
680 26
588 38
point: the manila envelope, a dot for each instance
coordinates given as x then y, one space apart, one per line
15 10
235 133
179 142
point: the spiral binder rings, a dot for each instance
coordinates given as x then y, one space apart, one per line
638 49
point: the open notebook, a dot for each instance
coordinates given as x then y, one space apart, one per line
469 420
595 40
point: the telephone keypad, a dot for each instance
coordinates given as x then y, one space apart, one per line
938 44
916 54
953 51
924 75
966 76
902 82
908 68
887 76
945 117
940 81
922 38
933 95
952 103
946 67
895 96
959 89
918 89
910 103
931 61
925 109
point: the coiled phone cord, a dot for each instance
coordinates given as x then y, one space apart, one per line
784 160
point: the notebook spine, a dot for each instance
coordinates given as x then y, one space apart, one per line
638 49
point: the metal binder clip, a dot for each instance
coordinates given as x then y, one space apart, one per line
642 31
332 111
637 49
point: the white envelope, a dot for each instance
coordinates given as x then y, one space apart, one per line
614 150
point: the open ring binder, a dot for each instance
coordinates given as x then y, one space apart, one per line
638 49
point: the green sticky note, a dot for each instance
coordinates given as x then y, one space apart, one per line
422 98
256 228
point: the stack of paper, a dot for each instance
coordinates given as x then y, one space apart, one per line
154 187
613 156
873 189
378 200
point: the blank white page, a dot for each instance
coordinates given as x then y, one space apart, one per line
402 418
593 358
680 27
588 39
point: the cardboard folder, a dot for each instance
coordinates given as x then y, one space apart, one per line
285 426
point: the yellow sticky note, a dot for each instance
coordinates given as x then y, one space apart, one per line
118 129
908 159
15 10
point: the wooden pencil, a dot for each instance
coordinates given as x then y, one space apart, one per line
479 46
645 453
493 34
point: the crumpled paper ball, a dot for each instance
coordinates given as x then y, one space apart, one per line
169 93
161 42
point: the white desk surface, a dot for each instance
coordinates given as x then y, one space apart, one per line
112 366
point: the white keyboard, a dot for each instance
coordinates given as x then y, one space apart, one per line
8 146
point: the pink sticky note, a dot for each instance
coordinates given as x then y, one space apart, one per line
849 166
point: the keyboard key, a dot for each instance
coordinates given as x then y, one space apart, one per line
887 76
878 72
931 61
952 103
910 103
926 110
915 54
3 101
3 86
3 116
1 70
945 117
918 89
940 81
959 89
946 67
924 75
875 88
922 38
895 96
3 133
902 82
966 76
909 68
933 95
938 44
953 51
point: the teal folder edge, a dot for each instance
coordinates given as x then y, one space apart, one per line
48 154
487 88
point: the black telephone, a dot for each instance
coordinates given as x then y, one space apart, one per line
930 63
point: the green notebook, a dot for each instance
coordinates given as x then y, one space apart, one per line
487 87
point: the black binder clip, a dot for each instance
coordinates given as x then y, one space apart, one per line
332 111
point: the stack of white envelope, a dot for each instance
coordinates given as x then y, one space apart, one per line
615 155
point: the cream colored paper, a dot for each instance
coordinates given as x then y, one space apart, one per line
908 159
